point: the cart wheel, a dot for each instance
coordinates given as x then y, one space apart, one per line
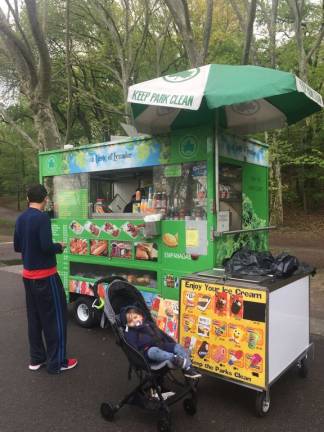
164 423
107 411
262 404
85 315
190 406
303 367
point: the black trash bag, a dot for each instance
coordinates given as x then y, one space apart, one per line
284 265
248 262
252 263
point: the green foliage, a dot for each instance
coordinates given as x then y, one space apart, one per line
98 66
230 243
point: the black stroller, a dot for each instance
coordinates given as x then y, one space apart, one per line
149 393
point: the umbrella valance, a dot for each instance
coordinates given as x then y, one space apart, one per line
249 99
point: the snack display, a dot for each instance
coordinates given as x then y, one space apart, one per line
78 246
146 251
99 247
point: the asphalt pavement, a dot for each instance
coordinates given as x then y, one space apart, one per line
38 402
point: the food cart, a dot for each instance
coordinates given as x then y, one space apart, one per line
208 183
91 185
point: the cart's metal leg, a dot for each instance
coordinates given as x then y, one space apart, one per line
262 403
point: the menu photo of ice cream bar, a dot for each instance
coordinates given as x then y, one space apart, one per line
204 301
203 326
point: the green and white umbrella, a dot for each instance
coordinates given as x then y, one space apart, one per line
248 98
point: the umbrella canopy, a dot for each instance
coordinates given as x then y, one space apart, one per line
249 99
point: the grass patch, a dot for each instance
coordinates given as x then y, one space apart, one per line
7 227
7 223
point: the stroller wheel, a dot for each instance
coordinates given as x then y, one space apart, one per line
107 411
164 423
190 406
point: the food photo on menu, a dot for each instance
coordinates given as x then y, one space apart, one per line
146 251
92 228
121 250
76 227
99 247
111 229
132 229
78 246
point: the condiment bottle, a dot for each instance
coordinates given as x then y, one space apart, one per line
138 195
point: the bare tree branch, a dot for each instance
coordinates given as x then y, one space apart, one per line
17 128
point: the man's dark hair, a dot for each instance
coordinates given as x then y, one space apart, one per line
36 193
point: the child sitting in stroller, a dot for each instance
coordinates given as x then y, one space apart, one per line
155 345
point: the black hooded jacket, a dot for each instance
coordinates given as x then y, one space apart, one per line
147 335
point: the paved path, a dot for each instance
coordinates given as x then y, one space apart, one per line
7 254
38 402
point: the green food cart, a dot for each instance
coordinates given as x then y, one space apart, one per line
175 172
163 210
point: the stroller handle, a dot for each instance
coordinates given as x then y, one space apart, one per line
108 280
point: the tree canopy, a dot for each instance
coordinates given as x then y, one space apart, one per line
65 68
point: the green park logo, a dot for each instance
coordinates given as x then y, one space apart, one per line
51 163
246 108
188 146
182 76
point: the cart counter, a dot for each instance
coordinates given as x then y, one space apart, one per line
248 331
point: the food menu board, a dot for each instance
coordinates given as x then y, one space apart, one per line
72 203
224 327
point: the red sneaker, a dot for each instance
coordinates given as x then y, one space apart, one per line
71 363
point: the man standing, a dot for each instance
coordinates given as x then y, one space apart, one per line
45 297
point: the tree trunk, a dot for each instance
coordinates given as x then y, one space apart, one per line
275 182
249 32
46 126
68 72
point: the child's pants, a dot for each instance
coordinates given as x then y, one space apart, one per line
158 355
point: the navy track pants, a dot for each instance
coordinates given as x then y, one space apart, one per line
47 316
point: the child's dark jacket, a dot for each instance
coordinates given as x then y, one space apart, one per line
147 335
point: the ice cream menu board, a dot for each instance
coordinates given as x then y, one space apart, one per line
224 328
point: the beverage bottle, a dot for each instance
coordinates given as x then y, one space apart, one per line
142 205
154 200
163 200
138 195
158 200
149 201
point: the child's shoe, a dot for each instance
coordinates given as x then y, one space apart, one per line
179 361
191 373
